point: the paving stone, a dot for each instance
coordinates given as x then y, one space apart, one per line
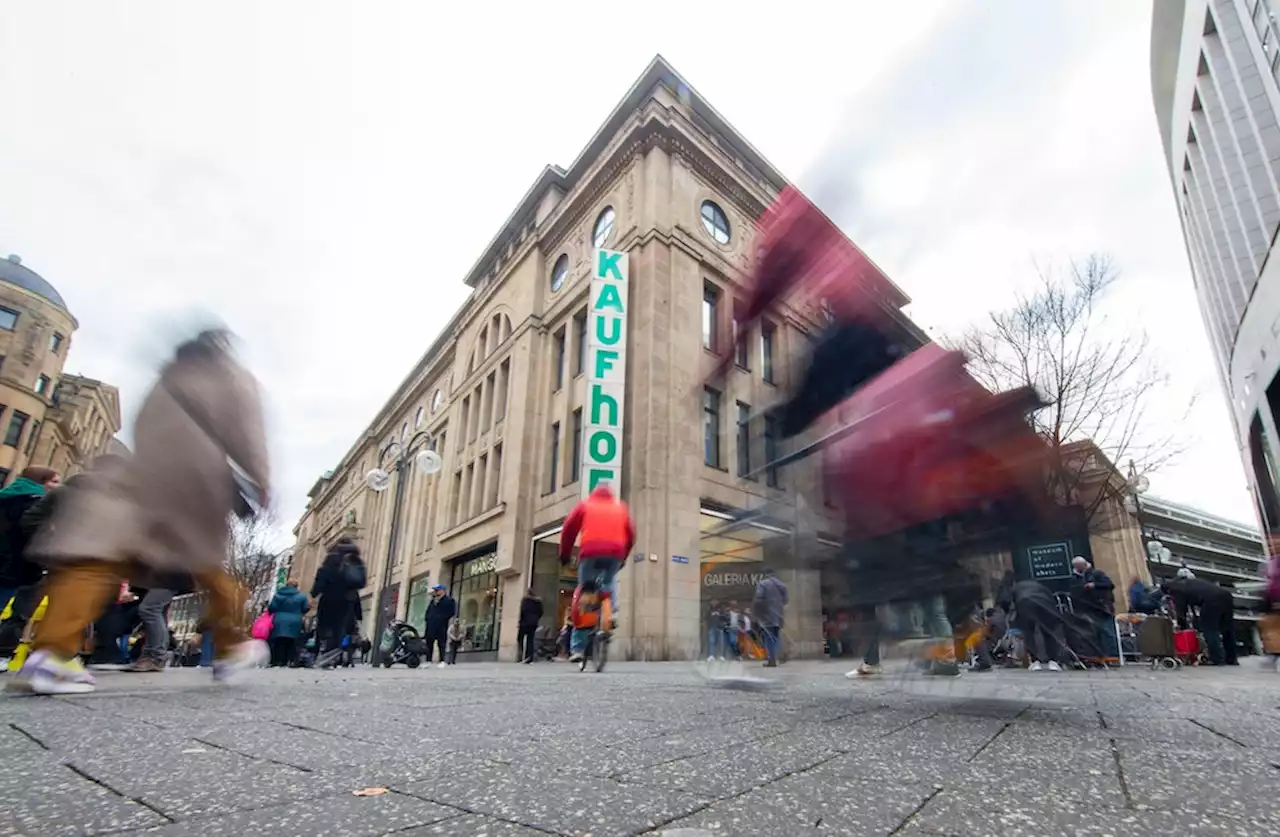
575 805
40 796
833 806
350 816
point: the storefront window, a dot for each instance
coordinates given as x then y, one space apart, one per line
474 586
419 598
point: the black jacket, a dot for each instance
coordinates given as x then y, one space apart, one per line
439 612
337 586
1212 599
530 613
16 529
1101 598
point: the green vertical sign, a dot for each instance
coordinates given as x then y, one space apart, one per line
606 370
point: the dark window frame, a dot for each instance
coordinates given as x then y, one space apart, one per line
711 441
555 457
580 340
17 421
16 315
559 352
710 316
744 440
575 452
768 350
772 444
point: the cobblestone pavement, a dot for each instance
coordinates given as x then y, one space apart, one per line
523 751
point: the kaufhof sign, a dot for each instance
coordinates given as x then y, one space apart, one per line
606 370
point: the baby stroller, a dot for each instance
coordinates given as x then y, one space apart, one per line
401 643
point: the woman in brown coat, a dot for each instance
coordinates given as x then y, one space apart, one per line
165 509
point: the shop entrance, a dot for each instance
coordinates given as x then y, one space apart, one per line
551 582
474 588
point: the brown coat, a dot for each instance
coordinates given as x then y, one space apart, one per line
168 506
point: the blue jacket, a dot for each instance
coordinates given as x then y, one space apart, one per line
1141 600
288 605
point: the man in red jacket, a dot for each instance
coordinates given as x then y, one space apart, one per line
608 533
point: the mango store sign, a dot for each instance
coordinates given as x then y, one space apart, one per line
606 370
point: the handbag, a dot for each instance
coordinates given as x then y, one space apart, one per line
247 495
262 626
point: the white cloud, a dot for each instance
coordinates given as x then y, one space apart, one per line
322 174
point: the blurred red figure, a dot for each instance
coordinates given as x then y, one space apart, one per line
926 441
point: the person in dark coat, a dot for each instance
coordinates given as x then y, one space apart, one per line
1217 615
1035 614
440 610
1140 598
769 605
287 607
16 570
1093 593
20 576
530 616
337 587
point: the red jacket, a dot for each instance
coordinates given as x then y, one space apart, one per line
605 524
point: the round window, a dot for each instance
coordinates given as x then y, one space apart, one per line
604 227
560 272
435 401
715 222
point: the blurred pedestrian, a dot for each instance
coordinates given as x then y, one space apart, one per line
201 455
769 606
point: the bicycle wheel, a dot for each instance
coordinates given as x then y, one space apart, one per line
601 642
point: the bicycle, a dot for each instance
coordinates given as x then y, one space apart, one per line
593 610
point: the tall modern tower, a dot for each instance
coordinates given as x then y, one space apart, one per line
1215 66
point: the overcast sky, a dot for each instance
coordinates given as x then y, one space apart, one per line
322 174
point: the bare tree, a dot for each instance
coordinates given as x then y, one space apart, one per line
1100 382
251 560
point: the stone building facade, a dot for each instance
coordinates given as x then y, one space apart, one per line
501 396
47 418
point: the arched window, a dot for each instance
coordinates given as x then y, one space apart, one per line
604 227
715 222
560 272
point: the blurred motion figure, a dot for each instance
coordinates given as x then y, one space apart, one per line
166 509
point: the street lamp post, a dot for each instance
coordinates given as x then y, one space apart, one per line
398 454
1139 485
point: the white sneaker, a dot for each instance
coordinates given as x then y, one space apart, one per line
442 665
711 659
1053 666
1037 667
863 670
46 674
243 657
